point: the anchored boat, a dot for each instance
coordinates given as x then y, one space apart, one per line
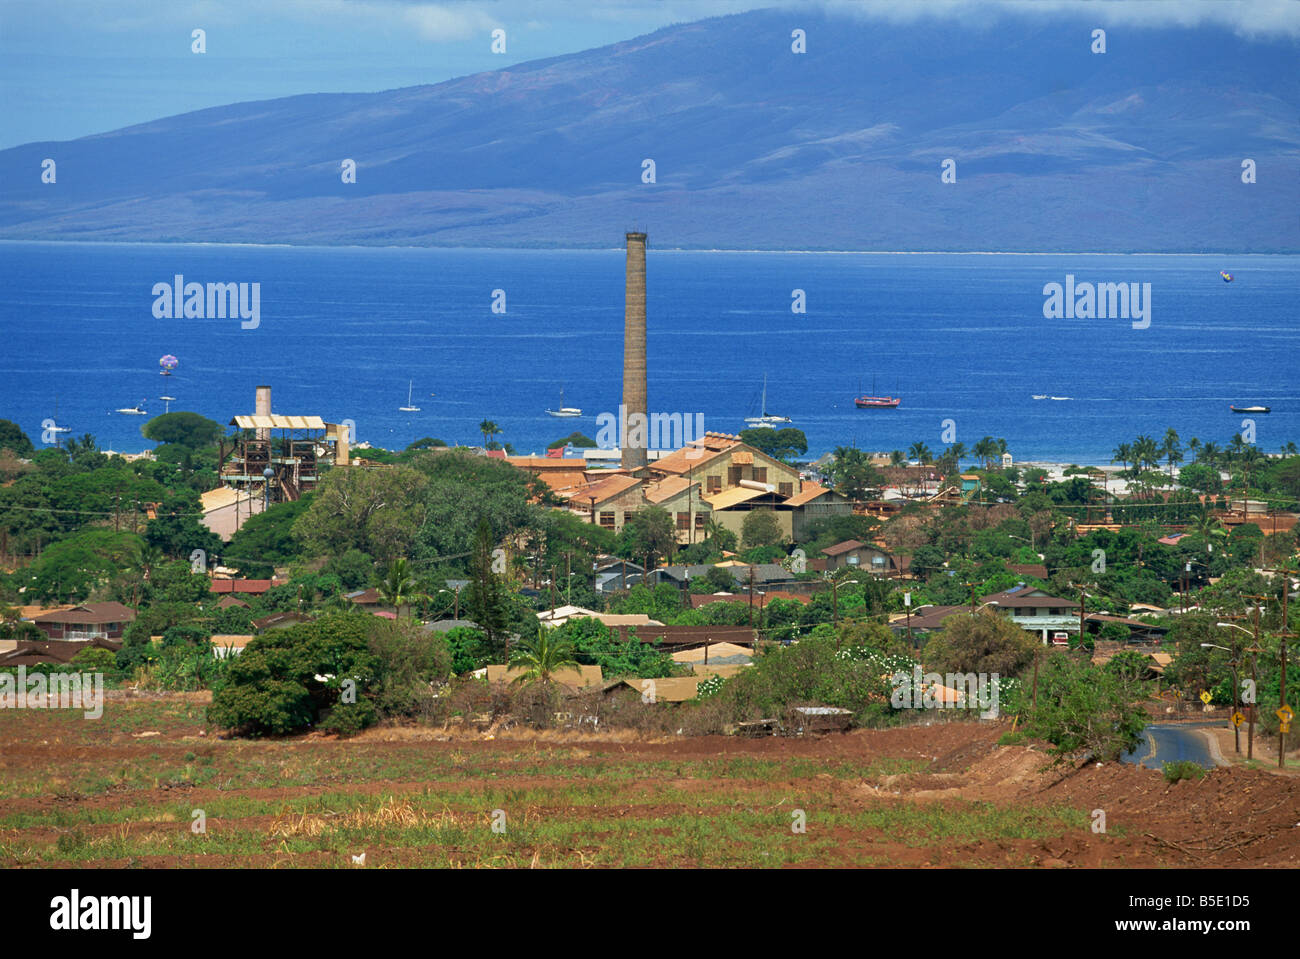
876 402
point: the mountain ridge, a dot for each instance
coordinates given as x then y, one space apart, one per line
1056 148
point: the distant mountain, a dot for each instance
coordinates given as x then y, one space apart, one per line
1056 148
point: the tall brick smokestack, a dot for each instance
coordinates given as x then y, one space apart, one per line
634 367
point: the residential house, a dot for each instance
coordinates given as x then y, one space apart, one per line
924 620
583 677
716 477
853 554
1138 631
279 621
229 644
562 614
58 652
226 509
1035 610
244 587
86 622
672 689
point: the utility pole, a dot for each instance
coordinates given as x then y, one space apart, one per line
568 578
690 505
1036 649
1281 736
751 595
1083 599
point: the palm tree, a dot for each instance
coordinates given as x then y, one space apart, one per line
398 587
489 429
987 450
1210 454
920 452
1146 454
1289 448
958 450
542 658
896 458
1171 448
1121 455
1194 447
1208 526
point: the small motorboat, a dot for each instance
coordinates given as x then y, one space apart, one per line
1249 409
134 410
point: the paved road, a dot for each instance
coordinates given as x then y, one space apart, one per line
1170 742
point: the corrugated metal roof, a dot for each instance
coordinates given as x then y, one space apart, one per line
278 421
810 492
732 497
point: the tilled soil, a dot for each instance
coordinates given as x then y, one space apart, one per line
941 795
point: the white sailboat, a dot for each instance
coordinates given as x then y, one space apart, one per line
408 408
565 411
56 428
766 419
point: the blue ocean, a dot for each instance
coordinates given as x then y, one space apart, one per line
343 331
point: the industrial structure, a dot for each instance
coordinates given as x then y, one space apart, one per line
280 454
634 358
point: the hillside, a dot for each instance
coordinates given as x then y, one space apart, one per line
1057 148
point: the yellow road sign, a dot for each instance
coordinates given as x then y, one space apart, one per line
1238 719
1284 727
1285 713
1206 697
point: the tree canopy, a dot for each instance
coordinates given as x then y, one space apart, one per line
183 428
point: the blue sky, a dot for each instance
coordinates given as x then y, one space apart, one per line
69 68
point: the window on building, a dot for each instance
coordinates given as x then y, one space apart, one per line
684 521
733 475
607 518
715 484
699 521
760 474
785 489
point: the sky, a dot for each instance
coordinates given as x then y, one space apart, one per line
71 68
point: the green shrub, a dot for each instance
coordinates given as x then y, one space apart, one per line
95 660
813 672
1084 708
273 685
348 719
411 662
1182 769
